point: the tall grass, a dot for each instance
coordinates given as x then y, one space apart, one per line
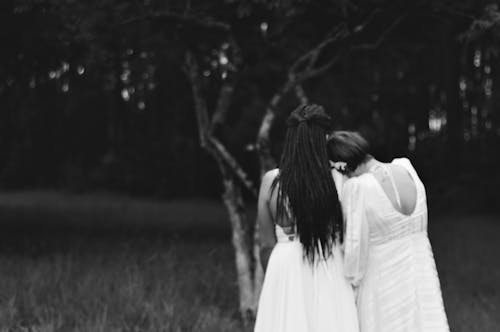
67 264
467 252
127 285
109 263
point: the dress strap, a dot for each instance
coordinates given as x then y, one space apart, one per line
282 236
393 183
388 173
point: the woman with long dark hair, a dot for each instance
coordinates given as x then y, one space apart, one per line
300 232
388 256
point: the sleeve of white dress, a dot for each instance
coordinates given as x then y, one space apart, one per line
356 239
339 180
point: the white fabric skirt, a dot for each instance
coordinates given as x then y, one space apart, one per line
298 296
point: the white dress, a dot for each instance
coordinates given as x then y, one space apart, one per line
389 256
300 297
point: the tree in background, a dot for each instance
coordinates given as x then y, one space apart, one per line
121 93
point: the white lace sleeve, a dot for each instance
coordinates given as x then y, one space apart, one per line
356 241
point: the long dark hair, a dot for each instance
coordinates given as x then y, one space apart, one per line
306 189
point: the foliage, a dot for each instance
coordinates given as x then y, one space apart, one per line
486 27
95 95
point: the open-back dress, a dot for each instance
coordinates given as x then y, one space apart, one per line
389 258
299 296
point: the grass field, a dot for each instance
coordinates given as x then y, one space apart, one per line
108 263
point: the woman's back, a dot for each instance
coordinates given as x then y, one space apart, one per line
395 201
399 184
299 227
299 295
286 222
388 253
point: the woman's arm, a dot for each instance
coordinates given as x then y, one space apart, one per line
356 240
265 223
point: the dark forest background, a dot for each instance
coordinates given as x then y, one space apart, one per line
95 96
124 123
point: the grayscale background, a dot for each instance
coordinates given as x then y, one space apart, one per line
133 135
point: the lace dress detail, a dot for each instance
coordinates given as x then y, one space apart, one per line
389 258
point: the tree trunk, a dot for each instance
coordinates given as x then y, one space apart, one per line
235 205
258 271
248 269
266 158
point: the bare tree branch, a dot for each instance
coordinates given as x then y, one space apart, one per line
263 145
382 37
311 56
228 87
301 94
204 22
295 77
225 95
233 165
191 69
360 27
207 140
314 72
304 68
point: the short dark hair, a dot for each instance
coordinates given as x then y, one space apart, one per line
349 147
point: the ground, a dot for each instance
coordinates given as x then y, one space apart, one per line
113 263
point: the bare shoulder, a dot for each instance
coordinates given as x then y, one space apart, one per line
266 183
270 175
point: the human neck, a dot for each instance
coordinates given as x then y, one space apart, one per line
367 165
